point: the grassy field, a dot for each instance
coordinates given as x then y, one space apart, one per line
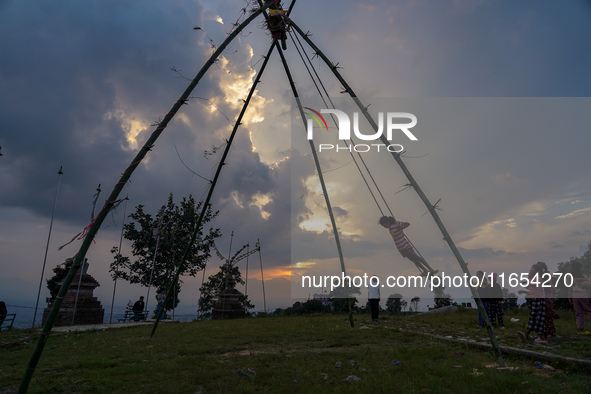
294 354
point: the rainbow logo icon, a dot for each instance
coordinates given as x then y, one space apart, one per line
316 118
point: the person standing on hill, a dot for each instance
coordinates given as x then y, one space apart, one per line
495 303
551 315
484 291
138 309
537 307
374 299
3 312
161 297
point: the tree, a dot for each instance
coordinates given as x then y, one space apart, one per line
415 303
394 303
215 285
404 304
339 300
314 306
164 236
308 307
296 309
59 274
440 297
561 300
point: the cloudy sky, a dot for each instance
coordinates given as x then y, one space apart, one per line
82 83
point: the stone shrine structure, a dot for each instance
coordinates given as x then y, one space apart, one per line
228 305
88 309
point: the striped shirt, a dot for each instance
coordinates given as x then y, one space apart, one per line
398 236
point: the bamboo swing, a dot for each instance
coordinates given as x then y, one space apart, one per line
113 198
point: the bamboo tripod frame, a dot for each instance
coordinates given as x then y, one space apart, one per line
112 200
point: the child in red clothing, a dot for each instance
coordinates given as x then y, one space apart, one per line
403 244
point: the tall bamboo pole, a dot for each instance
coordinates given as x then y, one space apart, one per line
417 188
28 375
318 169
97 194
59 178
262 276
322 184
118 260
214 181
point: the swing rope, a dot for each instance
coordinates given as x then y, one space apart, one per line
320 178
297 41
258 246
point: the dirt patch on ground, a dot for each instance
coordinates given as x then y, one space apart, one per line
87 327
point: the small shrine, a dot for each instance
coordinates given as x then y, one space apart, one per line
79 305
228 305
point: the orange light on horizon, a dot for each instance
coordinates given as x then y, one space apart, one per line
283 272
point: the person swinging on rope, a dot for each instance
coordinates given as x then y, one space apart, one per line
403 244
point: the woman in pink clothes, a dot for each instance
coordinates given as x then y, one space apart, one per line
537 307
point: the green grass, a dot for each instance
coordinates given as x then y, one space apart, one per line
463 325
290 354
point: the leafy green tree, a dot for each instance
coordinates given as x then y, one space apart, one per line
59 274
315 306
403 304
440 297
339 298
414 302
215 285
308 307
561 300
296 309
394 303
166 236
